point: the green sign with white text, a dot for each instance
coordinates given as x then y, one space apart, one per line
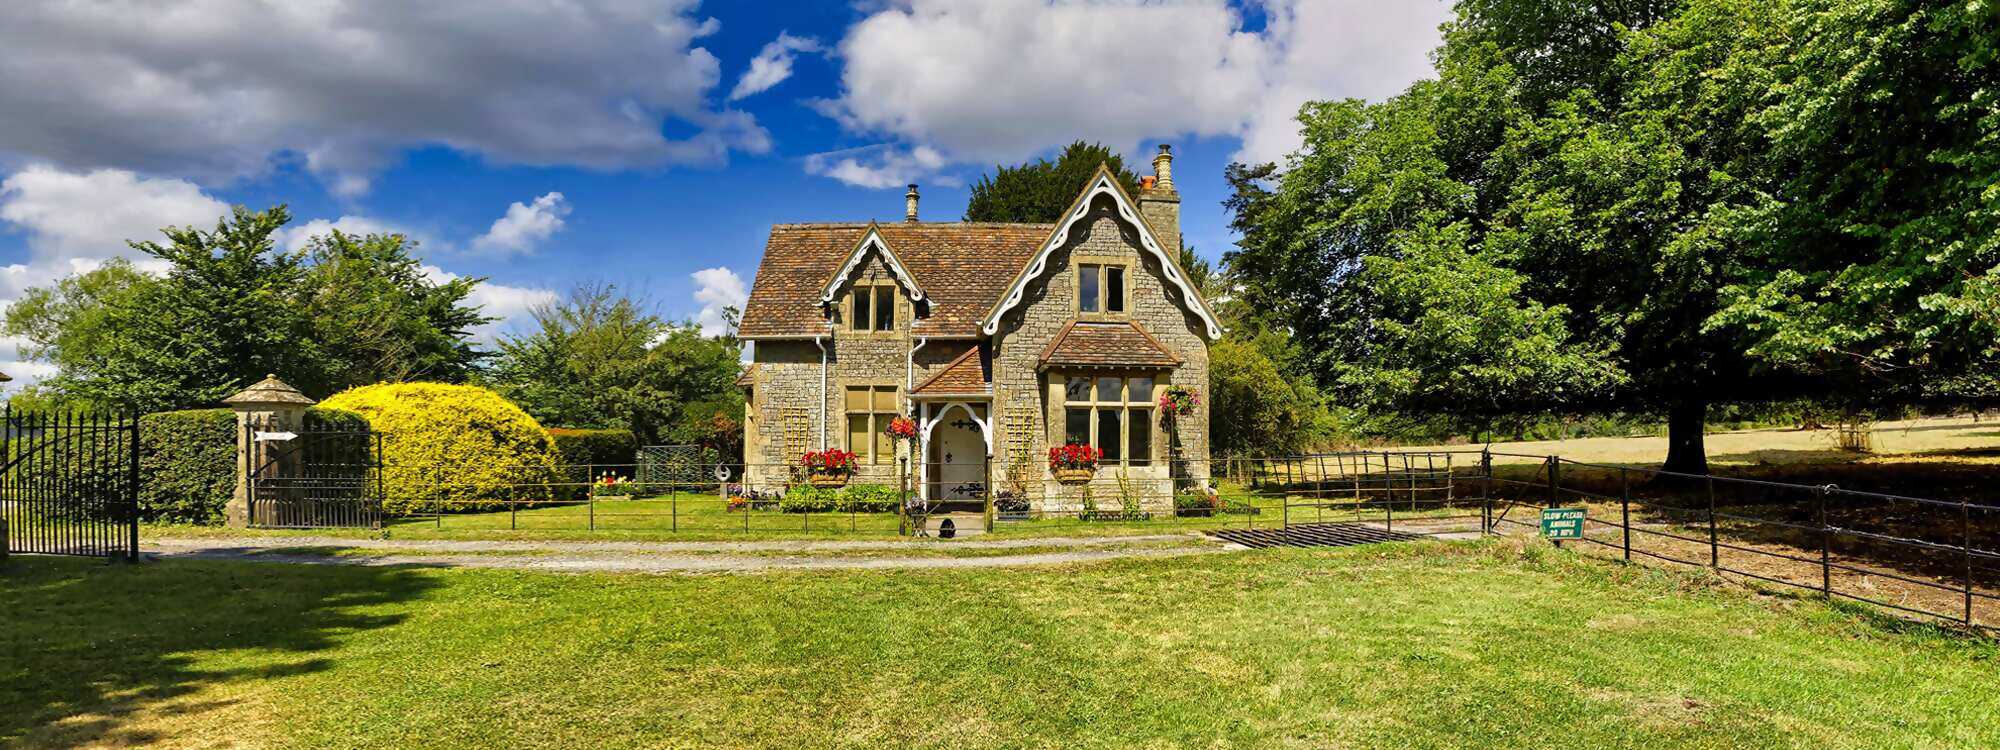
1562 523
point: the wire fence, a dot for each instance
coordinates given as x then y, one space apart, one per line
1932 557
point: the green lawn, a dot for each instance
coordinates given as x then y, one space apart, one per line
1420 645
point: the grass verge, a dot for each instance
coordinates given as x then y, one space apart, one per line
1495 644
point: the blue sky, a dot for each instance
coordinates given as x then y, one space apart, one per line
642 142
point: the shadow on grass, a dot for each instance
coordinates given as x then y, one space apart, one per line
87 648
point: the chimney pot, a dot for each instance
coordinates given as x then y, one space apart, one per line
1163 168
910 204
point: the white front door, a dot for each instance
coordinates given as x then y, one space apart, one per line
958 456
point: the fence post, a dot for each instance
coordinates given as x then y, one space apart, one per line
1825 548
1714 549
1486 490
1965 522
591 501
132 507
989 491
1625 509
1555 487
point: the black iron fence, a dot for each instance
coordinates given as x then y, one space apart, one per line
70 483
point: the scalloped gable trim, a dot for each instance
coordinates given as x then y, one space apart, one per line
1102 184
872 239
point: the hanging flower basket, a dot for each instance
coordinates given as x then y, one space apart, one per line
828 468
902 428
1179 399
1073 463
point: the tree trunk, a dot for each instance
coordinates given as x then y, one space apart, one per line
1686 421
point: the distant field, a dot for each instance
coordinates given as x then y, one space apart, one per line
1899 440
1420 645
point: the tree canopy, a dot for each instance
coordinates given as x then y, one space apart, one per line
1039 191
599 357
231 307
1650 205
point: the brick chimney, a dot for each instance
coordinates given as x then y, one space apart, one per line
1160 203
910 204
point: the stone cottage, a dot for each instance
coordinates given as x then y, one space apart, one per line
1000 340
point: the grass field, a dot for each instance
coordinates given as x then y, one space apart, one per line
1495 644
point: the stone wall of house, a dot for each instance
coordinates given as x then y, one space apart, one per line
1029 405
787 386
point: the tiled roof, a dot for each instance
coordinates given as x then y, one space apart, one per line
1085 343
962 267
969 375
748 378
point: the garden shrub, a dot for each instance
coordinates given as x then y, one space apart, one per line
859 498
585 456
453 448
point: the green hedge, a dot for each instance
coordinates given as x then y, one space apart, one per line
858 498
455 448
579 450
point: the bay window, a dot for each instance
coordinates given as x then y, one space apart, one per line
1113 413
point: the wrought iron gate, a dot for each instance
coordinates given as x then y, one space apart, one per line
313 477
70 483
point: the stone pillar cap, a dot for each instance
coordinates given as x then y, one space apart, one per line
270 390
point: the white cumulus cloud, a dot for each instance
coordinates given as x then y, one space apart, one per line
217 89
524 226
772 65
510 304
1002 80
294 237
719 288
881 166
69 215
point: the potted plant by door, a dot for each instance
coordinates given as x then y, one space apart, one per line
828 468
1073 463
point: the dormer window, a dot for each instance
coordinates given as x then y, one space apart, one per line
872 308
1100 288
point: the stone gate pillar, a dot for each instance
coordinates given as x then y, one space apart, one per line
268 406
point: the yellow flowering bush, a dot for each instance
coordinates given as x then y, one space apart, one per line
453 448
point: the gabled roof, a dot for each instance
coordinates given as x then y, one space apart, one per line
1111 343
971 374
871 240
749 376
1103 183
963 267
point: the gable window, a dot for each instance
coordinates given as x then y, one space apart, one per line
1111 413
873 308
869 409
1100 288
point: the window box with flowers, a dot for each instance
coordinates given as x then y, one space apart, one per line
829 468
1074 463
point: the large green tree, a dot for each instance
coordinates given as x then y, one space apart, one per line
1646 205
232 307
1039 191
599 357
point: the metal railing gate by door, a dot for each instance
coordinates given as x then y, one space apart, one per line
313 477
70 483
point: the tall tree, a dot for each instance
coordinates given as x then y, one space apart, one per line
380 318
599 357
232 307
1696 198
1039 191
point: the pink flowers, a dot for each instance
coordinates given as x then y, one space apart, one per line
1179 399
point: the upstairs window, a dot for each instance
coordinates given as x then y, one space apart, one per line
1100 288
873 308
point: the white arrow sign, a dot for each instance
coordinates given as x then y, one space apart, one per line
263 436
